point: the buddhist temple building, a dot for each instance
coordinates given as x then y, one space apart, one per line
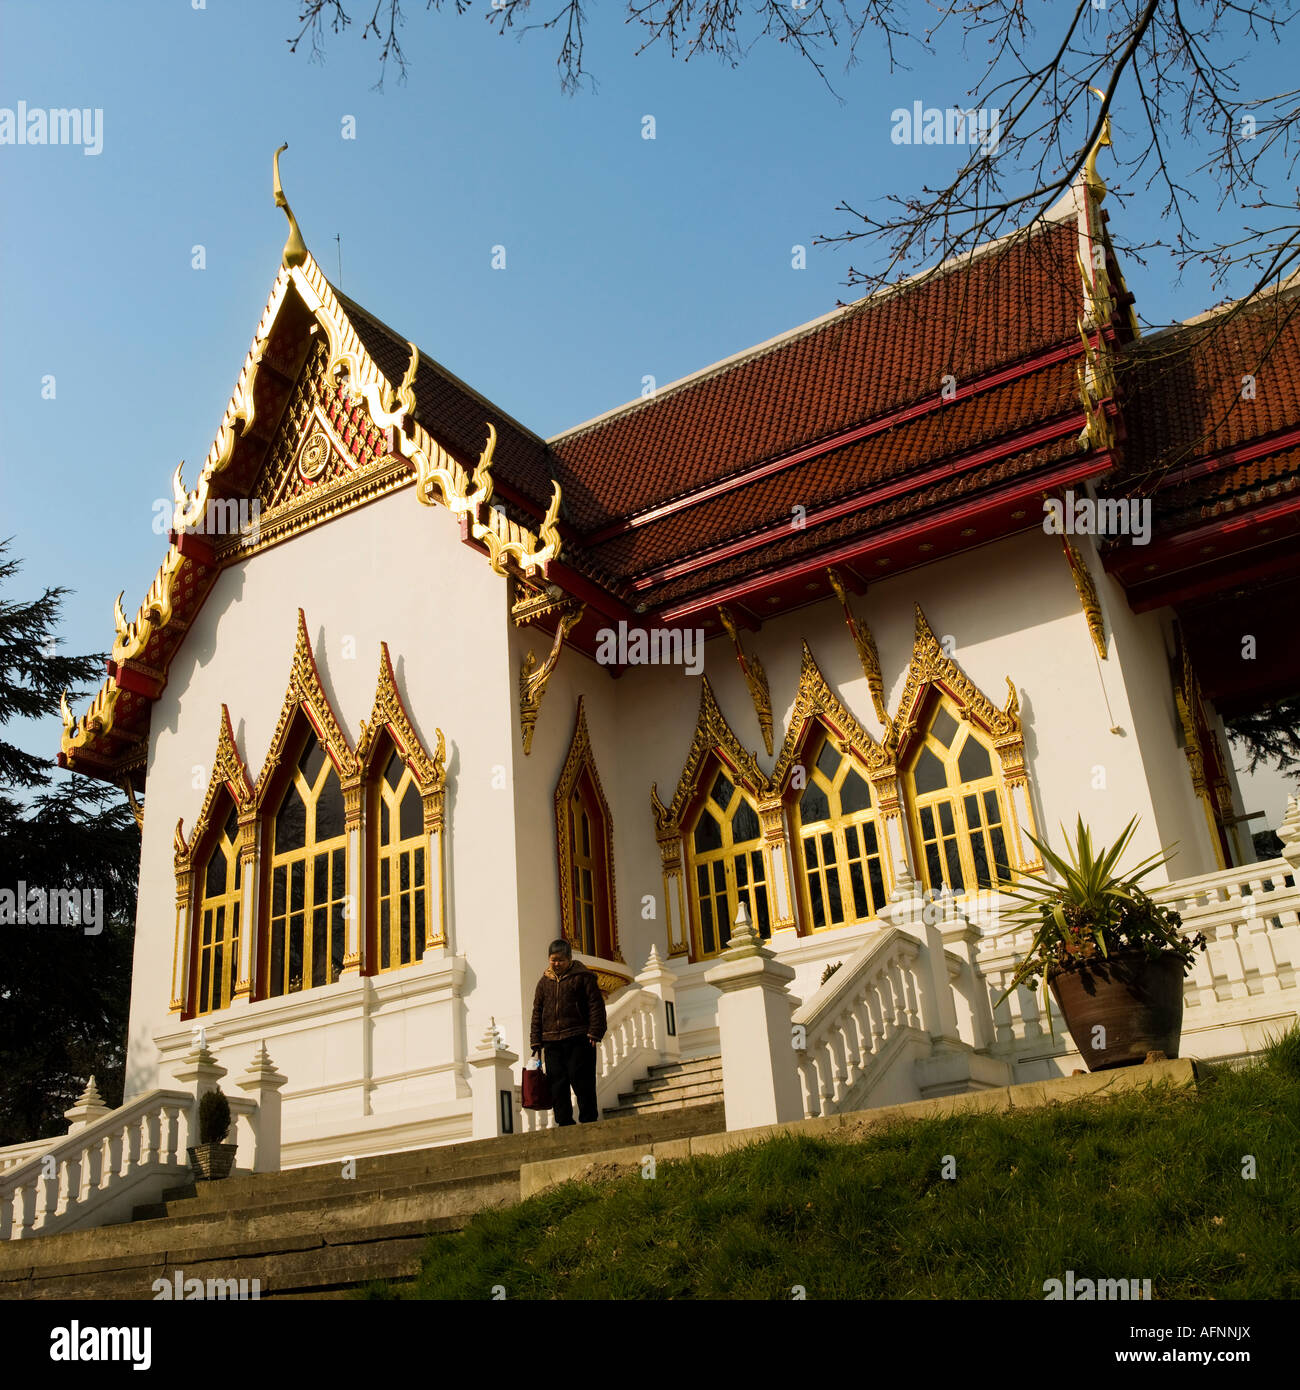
849 619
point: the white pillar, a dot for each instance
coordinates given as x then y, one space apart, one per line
656 978
201 1069
262 1083
490 1075
760 1078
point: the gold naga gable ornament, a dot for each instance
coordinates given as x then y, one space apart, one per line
533 679
755 678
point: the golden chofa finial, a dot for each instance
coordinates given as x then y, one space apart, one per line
295 249
1095 184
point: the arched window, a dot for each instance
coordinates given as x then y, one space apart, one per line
584 833
403 823
216 958
956 807
400 869
836 826
584 839
308 877
214 882
726 866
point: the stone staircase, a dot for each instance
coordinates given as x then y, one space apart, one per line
311 1233
672 1086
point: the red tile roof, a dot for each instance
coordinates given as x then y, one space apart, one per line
1187 416
798 544
906 450
866 361
870 362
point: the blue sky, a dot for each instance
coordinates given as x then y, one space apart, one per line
625 257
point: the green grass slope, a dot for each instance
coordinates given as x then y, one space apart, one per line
1149 1185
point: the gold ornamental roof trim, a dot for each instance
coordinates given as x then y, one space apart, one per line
438 475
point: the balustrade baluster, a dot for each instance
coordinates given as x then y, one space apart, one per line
836 1050
811 1100
911 989
28 1198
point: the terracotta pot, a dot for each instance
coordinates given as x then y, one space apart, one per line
1136 1000
208 1162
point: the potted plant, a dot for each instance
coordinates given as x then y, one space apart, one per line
210 1158
1112 956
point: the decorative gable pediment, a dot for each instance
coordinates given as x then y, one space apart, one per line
816 703
328 453
229 774
713 736
307 695
930 667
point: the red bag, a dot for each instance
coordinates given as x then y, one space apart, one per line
537 1089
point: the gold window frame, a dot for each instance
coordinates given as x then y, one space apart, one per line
819 711
726 857
578 775
933 673
390 726
228 781
311 787
714 746
955 793
305 703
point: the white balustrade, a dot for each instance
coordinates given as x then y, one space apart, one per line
111 1161
1250 917
872 998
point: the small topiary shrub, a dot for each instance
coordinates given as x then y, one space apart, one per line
830 970
214 1117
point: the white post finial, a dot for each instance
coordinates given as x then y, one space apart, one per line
744 940
1289 832
904 883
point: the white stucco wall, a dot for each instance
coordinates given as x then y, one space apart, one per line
1011 609
397 571
1140 645
393 571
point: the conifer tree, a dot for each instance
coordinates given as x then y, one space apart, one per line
64 993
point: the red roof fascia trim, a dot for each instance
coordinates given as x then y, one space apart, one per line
1171 546
832 441
193 546
1041 434
1246 453
587 591
127 678
1186 592
855 550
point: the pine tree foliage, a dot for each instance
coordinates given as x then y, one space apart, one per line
64 991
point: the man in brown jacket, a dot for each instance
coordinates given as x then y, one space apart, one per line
569 1018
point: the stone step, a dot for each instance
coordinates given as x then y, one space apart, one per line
692 1064
194 1229
472 1159
308 1232
659 1105
699 1084
304 1270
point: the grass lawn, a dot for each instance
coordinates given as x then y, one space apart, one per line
1149 1185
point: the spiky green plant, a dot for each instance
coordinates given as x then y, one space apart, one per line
1092 911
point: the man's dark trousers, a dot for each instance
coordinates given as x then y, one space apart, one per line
572 1062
